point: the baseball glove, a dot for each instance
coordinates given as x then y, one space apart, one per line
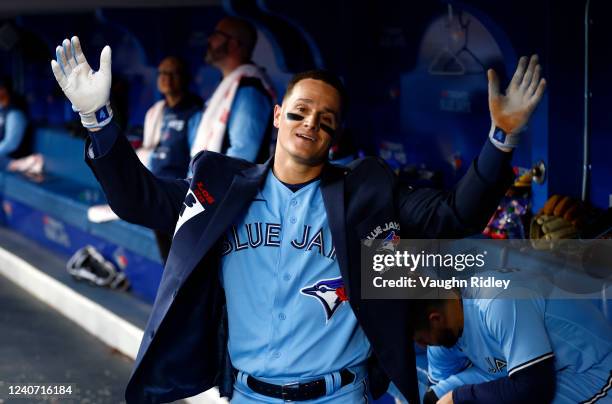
560 218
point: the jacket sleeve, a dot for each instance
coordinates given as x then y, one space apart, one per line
465 210
132 191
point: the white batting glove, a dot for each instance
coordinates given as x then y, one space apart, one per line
511 111
88 91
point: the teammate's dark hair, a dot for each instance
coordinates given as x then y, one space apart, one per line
322 75
421 309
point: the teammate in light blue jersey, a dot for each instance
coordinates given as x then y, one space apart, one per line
520 350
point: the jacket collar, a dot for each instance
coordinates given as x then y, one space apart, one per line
257 171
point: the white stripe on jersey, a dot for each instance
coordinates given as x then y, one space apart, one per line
602 393
531 362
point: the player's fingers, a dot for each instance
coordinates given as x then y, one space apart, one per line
61 59
539 92
534 81
105 60
533 62
69 54
519 72
537 96
493 84
78 52
58 73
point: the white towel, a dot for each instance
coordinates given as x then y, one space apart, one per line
210 132
151 133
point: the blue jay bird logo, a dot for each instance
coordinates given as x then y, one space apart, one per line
390 242
329 292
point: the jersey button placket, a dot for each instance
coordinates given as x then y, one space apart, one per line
280 290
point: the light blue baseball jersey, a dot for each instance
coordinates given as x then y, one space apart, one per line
449 368
502 336
288 314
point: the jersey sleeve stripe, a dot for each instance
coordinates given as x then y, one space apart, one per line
530 362
431 379
602 393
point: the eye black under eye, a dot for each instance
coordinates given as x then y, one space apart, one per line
330 131
294 117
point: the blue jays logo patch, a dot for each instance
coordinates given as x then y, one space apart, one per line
329 292
389 242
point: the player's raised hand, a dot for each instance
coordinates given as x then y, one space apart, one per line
511 111
88 91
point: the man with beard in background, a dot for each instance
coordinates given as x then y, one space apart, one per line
237 119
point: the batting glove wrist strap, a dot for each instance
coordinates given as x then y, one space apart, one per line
502 139
99 118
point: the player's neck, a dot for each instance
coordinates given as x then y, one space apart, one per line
290 171
456 313
173 99
229 66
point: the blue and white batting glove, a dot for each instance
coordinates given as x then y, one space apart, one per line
88 91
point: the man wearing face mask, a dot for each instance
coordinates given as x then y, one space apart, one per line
261 293
237 119
514 350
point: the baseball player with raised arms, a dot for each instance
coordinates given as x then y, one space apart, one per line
506 350
261 292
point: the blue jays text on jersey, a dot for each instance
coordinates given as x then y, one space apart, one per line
258 234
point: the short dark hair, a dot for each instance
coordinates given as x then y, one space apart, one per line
421 309
322 75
